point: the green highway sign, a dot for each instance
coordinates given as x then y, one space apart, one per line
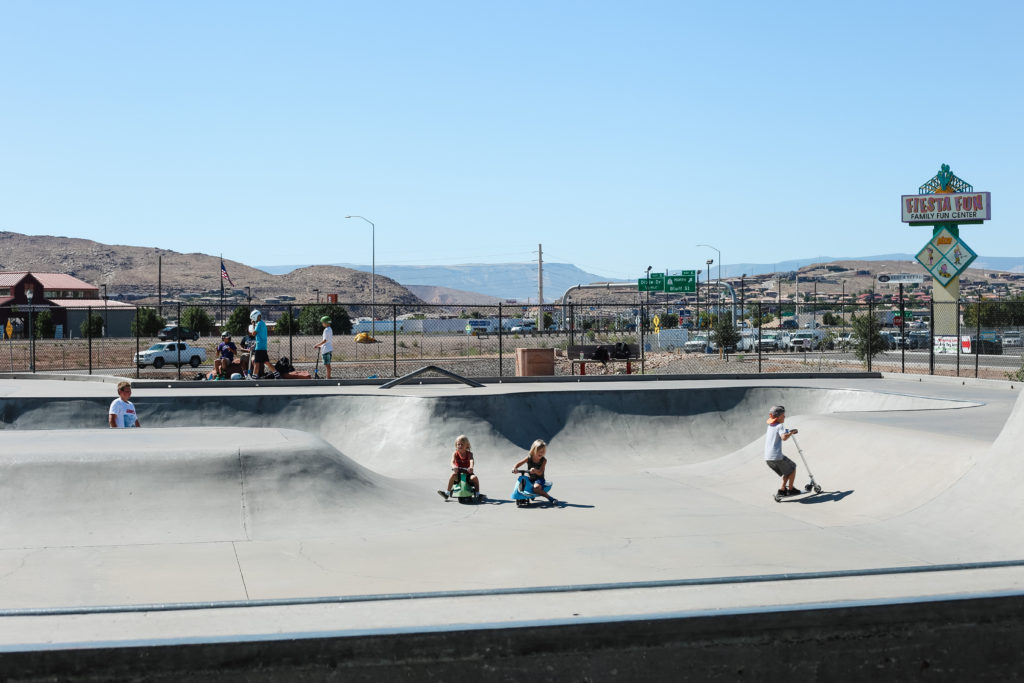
685 283
659 278
645 285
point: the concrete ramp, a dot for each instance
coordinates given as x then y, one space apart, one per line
868 473
148 486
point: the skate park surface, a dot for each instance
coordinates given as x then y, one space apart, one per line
245 513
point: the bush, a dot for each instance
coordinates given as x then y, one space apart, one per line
309 319
724 334
43 323
197 320
286 324
146 323
867 333
238 322
92 326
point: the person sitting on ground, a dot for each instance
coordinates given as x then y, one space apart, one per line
536 463
327 343
122 411
462 458
225 355
779 463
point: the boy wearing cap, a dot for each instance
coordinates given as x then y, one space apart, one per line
225 355
779 463
327 343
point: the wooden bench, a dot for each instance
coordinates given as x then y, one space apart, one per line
581 354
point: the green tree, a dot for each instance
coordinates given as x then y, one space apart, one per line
197 320
724 334
238 322
764 319
146 323
547 321
286 324
44 325
867 332
92 326
309 319
670 320
831 319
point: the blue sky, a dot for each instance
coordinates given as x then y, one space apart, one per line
618 135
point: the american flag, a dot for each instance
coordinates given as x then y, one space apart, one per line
224 273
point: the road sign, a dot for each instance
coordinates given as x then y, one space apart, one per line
897 278
685 283
645 285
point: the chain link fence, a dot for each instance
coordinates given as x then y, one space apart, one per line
179 341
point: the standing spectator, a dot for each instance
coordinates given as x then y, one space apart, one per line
327 343
122 411
259 352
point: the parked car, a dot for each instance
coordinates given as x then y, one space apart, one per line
992 347
803 341
697 344
788 324
900 341
170 353
1012 338
846 340
177 333
918 340
525 326
768 342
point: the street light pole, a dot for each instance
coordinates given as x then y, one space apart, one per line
648 312
718 301
29 293
709 262
373 275
106 320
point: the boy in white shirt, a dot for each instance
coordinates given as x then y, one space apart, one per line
779 463
327 343
122 411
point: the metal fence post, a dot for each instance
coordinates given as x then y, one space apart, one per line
178 345
644 312
138 336
977 349
501 339
88 329
903 334
871 329
394 340
959 346
760 323
931 339
291 335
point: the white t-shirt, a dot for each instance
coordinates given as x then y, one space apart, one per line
773 442
328 340
125 412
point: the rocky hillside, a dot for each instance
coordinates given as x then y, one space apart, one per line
131 272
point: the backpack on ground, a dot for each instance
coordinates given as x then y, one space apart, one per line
284 365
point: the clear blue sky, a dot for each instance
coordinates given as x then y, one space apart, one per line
617 134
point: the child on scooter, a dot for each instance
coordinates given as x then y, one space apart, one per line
780 464
462 458
536 462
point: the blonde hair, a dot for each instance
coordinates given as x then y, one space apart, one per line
462 438
121 386
537 445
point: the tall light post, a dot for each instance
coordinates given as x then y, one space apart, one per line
648 312
709 262
373 275
29 293
106 320
317 292
718 300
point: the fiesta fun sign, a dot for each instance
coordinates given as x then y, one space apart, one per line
959 207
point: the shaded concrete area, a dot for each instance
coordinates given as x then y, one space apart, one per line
278 494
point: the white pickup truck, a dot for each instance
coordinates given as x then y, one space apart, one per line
804 340
170 353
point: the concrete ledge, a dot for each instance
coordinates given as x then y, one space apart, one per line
967 639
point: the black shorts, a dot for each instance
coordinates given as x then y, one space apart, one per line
260 356
782 467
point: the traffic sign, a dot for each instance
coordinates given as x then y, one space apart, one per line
685 283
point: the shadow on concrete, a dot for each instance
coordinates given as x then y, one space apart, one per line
824 497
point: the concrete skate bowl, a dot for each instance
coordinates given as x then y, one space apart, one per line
196 485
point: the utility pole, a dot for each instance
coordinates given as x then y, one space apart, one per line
540 288
159 284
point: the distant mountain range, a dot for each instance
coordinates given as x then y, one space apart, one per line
519 280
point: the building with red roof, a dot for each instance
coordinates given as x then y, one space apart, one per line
68 300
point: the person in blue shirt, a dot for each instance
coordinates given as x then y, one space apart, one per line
259 347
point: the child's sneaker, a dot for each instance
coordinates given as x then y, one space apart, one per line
793 492
442 494
783 492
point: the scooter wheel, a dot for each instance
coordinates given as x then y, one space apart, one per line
777 497
807 488
520 503
817 489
